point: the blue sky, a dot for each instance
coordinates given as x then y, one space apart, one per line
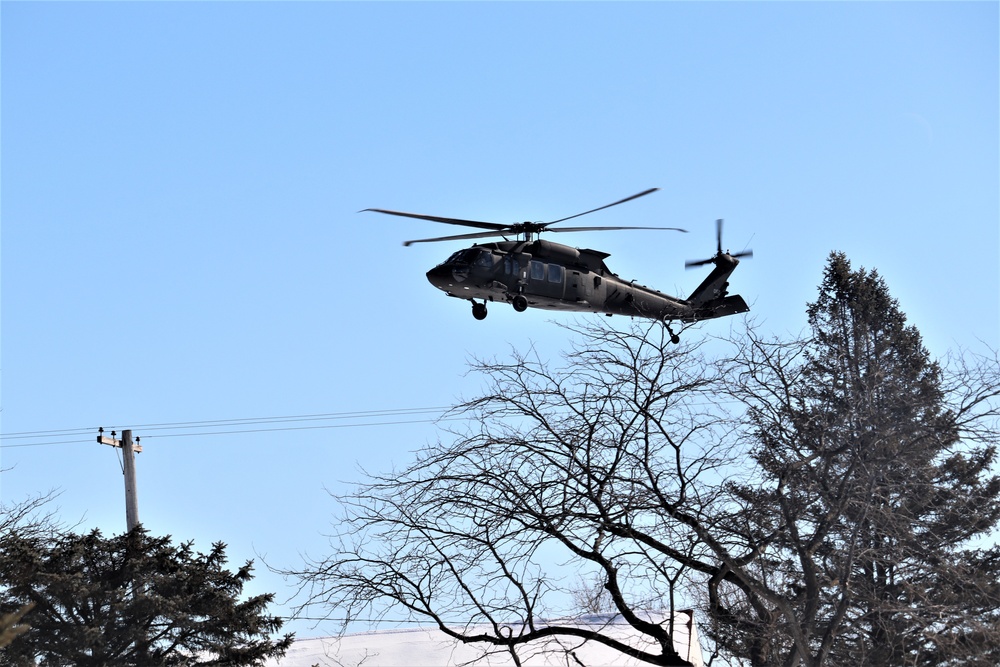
181 240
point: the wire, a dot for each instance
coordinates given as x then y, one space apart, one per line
46 444
243 425
371 621
293 428
47 434
237 426
286 419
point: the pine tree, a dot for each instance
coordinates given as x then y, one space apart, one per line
874 490
922 493
131 599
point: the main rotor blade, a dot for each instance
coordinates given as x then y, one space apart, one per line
449 221
458 237
604 229
601 208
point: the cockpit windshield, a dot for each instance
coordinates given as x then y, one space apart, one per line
475 256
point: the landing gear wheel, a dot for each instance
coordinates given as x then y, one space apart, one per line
479 310
674 338
520 303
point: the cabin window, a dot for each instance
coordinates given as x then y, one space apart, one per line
537 270
555 273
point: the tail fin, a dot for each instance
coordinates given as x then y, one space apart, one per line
716 285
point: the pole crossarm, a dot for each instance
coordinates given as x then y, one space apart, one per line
113 442
129 450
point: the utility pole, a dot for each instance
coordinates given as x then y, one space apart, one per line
128 456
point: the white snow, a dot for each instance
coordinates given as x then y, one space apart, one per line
430 647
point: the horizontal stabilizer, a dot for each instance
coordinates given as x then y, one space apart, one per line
730 305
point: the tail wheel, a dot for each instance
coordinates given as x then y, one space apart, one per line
674 338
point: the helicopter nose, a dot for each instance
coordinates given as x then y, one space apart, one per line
440 277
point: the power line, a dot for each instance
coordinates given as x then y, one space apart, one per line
294 428
238 426
244 425
47 434
329 416
48 444
242 420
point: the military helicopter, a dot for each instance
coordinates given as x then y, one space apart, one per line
528 272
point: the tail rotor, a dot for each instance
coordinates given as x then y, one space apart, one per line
692 263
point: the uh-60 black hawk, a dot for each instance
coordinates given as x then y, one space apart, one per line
532 273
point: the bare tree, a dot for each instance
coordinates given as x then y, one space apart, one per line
607 462
591 597
31 516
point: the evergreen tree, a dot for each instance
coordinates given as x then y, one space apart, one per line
874 485
132 599
922 494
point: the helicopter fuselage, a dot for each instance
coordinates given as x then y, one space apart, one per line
532 273
552 276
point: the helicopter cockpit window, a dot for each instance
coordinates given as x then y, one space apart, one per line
467 256
484 259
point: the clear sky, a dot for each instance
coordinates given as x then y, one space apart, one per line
181 242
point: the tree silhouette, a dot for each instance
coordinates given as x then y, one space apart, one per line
131 599
874 480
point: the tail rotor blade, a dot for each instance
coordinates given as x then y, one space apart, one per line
718 250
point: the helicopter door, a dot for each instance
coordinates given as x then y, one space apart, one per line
546 279
513 275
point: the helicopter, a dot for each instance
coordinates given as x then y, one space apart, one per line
529 272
